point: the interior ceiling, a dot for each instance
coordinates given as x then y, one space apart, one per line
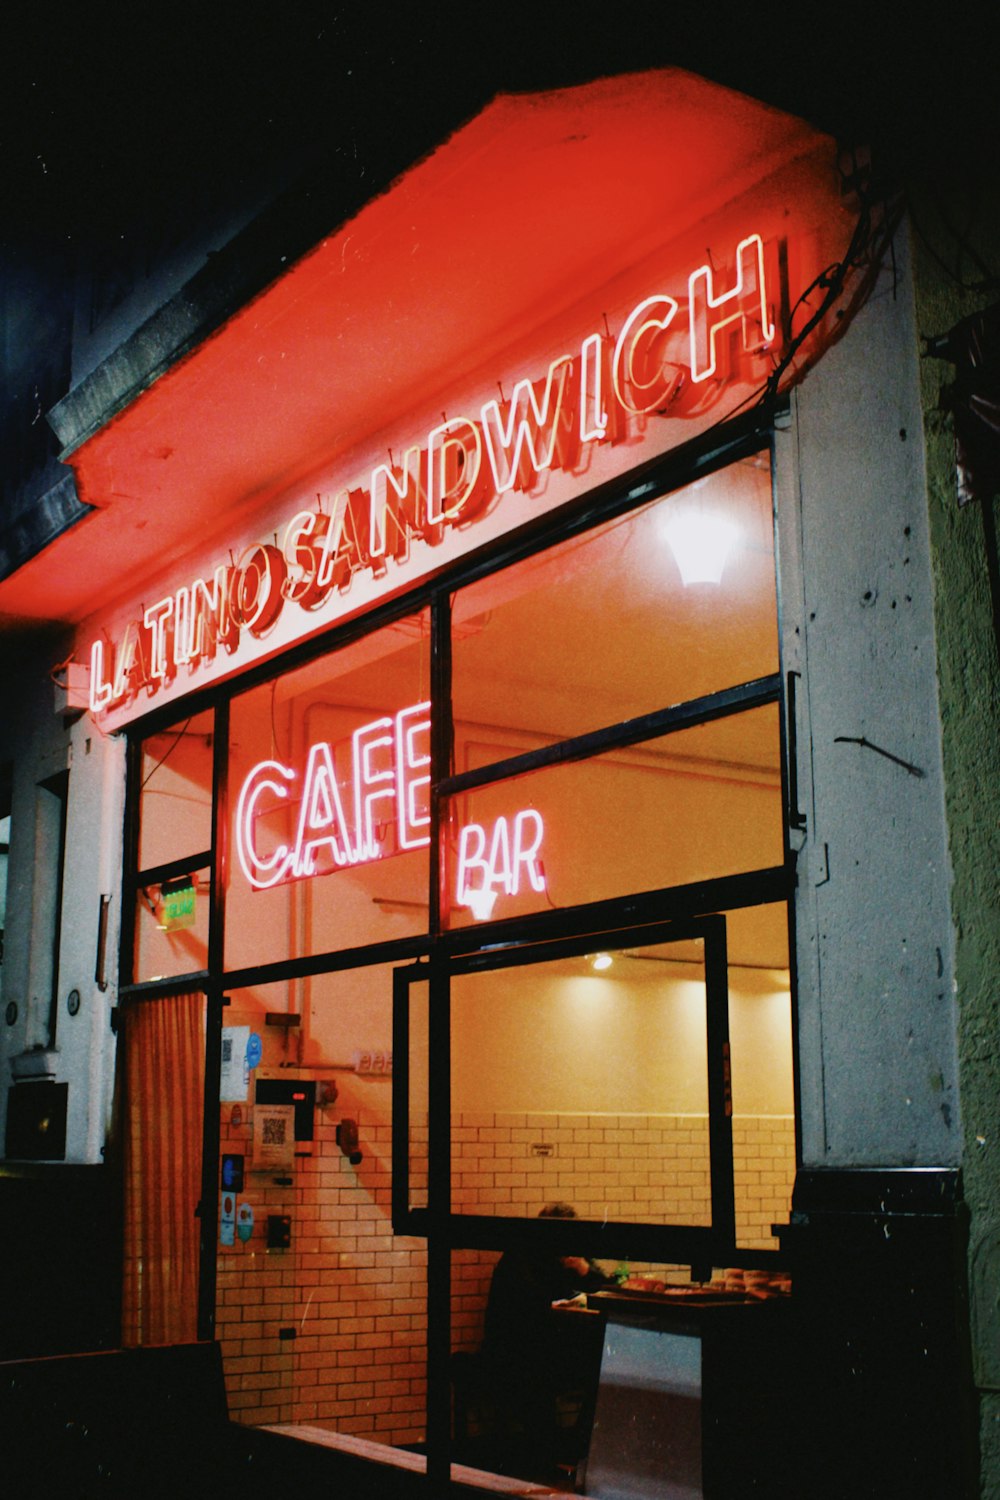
537 201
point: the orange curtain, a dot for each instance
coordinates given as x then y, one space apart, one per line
163 1107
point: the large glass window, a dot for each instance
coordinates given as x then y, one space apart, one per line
690 806
173 887
329 789
584 1079
309 1268
667 603
497 896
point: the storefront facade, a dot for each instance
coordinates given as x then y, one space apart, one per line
531 781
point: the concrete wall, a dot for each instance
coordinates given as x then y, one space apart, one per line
875 945
40 745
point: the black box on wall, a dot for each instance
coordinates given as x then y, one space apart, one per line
36 1121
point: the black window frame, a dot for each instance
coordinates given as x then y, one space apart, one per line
437 952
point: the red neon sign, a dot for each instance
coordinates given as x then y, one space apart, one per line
660 364
389 781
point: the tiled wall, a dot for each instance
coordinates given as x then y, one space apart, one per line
354 1294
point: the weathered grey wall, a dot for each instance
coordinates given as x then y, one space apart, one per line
970 704
875 951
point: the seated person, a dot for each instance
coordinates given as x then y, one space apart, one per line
521 1346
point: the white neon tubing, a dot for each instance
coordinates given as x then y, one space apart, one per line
408 815
460 432
128 654
155 620
638 324
299 575
703 300
525 852
192 608
327 564
407 490
510 441
469 859
321 808
101 692
593 416
364 743
258 782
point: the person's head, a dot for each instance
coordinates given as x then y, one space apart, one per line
557 1211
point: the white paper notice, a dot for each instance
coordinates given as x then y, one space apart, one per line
233 1080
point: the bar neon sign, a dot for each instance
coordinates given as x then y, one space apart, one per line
389 783
666 361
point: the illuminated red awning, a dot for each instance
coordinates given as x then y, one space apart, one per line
537 201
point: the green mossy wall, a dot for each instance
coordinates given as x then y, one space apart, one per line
957 238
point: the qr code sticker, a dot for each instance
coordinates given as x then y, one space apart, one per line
227 1050
274 1130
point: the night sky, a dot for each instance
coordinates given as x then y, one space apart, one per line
114 116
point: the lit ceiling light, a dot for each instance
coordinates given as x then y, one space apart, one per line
601 961
701 544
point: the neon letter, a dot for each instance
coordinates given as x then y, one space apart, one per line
454 464
636 341
366 743
202 618
513 455
130 668
480 897
255 588
260 872
101 691
343 550
593 417
155 620
746 302
411 814
402 509
525 852
321 808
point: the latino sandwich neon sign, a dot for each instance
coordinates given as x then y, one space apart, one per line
667 360
387 794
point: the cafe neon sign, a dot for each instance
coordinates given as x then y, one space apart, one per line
660 364
389 782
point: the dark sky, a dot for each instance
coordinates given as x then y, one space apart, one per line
112 113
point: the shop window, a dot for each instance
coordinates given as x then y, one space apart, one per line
689 806
668 603
309 1268
760 1030
584 1079
175 804
329 787
171 925
173 884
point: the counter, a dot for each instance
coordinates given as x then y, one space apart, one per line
688 1399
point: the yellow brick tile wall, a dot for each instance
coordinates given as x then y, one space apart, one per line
350 1292
647 1168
